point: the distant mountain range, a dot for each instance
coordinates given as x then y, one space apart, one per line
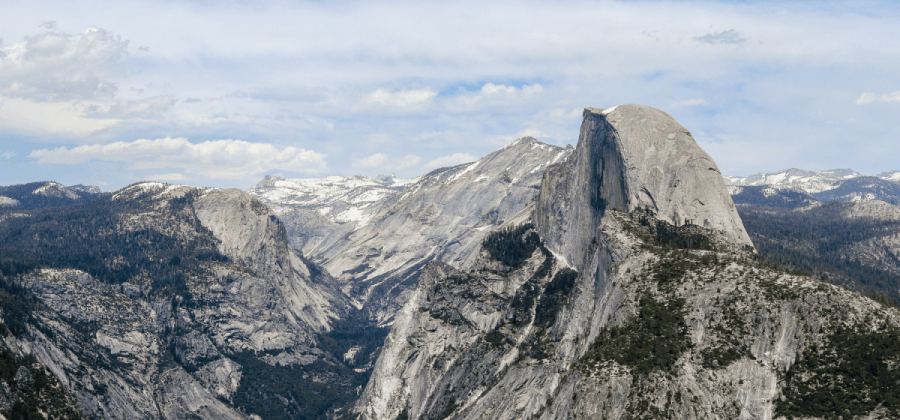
792 188
35 195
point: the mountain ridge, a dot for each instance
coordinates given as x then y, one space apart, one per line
646 318
441 215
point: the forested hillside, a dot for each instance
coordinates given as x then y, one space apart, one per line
828 241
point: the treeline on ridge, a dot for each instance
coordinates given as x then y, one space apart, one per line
97 238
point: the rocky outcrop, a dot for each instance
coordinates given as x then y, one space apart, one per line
607 302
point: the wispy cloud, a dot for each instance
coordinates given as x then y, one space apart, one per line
445 161
491 93
690 102
8 155
492 89
399 99
564 114
385 162
724 37
869 97
427 135
147 106
217 159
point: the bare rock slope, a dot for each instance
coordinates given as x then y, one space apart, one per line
628 291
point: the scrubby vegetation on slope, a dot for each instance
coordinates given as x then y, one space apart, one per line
652 340
34 393
852 374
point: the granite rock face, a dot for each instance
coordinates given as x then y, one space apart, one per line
632 157
603 301
251 234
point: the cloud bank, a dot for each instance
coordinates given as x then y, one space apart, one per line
217 159
56 66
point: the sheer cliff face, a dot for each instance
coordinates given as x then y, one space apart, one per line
632 157
251 234
604 302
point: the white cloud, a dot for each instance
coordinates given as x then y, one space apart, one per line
690 102
492 89
491 92
869 97
399 99
383 161
8 155
57 66
445 161
217 159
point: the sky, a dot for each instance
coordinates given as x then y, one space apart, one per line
222 93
